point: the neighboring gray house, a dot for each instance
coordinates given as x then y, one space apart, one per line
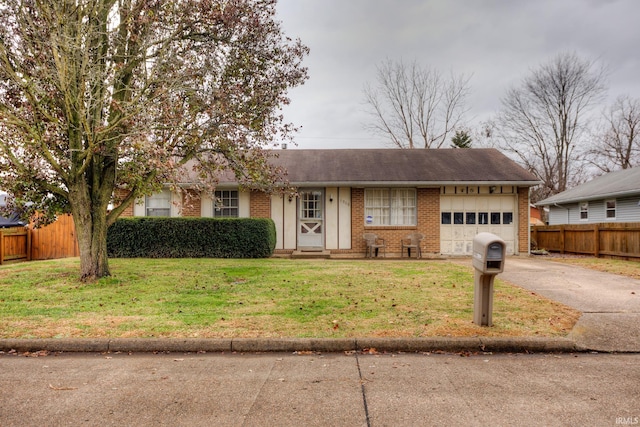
614 197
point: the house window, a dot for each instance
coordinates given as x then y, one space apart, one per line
483 218
311 205
495 218
471 217
611 209
507 217
390 206
584 211
446 218
458 218
158 204
225 204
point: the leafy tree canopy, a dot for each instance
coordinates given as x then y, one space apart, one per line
98 95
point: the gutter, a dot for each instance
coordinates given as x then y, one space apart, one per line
591 197
418 184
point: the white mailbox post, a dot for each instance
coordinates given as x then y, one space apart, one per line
488 260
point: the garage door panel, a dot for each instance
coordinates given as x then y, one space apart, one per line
457 238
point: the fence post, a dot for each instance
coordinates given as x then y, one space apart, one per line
562 239
596 240
28 243
1 247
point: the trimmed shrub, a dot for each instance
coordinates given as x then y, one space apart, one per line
147 237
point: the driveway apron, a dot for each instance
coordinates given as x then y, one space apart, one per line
610 304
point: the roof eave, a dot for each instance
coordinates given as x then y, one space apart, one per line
589 198
407 183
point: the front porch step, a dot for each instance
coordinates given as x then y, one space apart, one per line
311 254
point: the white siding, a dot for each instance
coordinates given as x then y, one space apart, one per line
628 209
283 214
277 215
331 217
244 204
344 218
139 208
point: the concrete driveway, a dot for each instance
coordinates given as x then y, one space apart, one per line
610 303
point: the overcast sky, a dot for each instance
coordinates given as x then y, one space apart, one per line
496 41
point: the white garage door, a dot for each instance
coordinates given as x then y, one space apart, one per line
464 216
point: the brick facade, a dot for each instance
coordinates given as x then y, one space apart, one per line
428 219
191 203
428 223
523 220
260 206
120 194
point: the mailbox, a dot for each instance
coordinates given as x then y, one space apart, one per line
488 253
488 260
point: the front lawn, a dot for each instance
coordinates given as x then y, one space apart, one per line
264 298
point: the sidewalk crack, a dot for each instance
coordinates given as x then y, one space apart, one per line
364 392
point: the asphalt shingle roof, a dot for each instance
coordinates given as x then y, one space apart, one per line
401 167
614 184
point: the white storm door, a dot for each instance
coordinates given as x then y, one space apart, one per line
310 220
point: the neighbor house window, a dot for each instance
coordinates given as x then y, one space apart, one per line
611 208
159 204
584 210
390 206
225 204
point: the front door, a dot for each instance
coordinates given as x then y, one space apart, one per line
310 222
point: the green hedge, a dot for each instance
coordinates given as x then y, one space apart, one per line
191 238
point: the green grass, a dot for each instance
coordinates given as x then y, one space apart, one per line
263 298
614 266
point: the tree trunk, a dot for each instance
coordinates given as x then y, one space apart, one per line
92 242
91 228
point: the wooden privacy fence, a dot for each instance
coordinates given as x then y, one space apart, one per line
57 240
15 244
600 240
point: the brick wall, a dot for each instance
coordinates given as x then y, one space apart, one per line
428 223
260 205
357 220
191 203
120 194
523 220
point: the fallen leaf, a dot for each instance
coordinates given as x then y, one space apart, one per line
62 388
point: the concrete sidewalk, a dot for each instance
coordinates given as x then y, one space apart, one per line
610 306
355 389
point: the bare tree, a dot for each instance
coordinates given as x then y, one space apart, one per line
617 144
98 95
543 120
416 107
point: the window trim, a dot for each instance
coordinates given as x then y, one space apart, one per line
387 210
155 195
583 208
607 209
216 208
